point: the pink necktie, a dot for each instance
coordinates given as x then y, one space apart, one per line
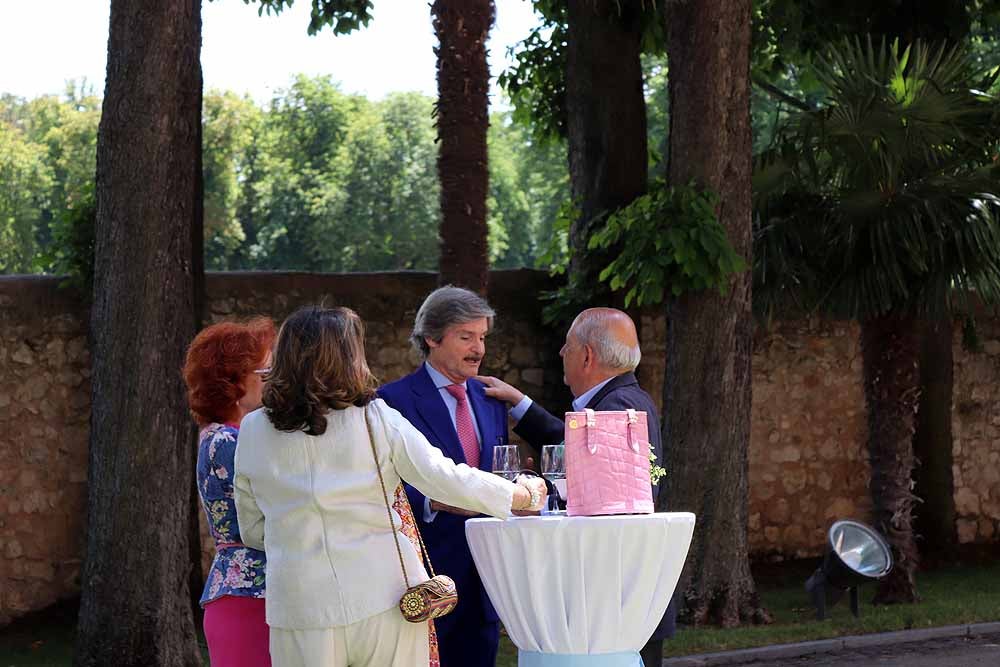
463 424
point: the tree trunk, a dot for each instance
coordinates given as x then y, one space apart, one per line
706 395
135 607
606 121
196 578
890 348
932 444
462 28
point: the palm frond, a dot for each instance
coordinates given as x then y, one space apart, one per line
896 209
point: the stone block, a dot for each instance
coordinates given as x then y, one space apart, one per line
533 376
967 529
840 508
966 501
793 480
777 512
524 355
23 355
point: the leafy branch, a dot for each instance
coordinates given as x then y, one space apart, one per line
670 240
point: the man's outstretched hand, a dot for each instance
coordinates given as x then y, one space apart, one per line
500 390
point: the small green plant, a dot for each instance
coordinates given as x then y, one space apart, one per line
670 240
656 472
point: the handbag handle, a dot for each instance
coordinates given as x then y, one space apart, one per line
385 497
633 418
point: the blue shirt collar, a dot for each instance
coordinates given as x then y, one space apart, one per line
580 402
439 379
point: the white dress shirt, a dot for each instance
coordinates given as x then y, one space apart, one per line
314 504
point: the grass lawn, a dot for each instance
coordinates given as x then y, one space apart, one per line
951 596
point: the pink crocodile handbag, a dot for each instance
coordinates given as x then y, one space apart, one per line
607 463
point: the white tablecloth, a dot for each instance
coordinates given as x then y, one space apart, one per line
581 585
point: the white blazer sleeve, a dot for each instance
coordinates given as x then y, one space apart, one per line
248 514
435 475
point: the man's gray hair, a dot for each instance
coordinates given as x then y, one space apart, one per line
444 307
592 329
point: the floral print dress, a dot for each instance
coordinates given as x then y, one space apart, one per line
401 504
237 569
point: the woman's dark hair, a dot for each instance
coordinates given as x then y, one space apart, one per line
319 365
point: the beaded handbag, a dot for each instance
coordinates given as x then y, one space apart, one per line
433 598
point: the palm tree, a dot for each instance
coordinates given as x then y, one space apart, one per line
876 206
462 28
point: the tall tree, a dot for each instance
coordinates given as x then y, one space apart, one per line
463 75
877 207
706 394
135 607
605 119
788 34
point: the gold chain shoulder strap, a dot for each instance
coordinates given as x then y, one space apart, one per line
385 497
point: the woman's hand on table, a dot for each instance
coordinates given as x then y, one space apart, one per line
529 496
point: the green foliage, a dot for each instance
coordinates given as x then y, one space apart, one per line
555 258
670 240
344 16
786 33
317 180
71 252
48 151
536 83
886 197
528 182
25 186
383 173
229 123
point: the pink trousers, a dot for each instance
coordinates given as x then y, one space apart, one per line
236 632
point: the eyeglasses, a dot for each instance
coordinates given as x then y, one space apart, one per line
262 371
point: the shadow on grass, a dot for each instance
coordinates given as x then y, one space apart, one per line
950 596
45 638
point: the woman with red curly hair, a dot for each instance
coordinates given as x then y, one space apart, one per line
224 374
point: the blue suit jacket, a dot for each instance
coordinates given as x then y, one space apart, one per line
417 399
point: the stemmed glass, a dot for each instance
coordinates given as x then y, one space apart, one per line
506 461
554 470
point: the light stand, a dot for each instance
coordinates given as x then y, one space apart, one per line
856 554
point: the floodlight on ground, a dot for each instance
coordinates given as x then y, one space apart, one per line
855 554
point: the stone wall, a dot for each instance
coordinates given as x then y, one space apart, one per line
976 435
44 416
807 457
808 464
45 393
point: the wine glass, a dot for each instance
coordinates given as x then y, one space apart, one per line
506 461
554 470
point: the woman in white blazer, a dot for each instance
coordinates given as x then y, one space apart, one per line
307 492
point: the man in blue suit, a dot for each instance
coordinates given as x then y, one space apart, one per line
599 357
445 403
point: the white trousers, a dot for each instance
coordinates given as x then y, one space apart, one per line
385 640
